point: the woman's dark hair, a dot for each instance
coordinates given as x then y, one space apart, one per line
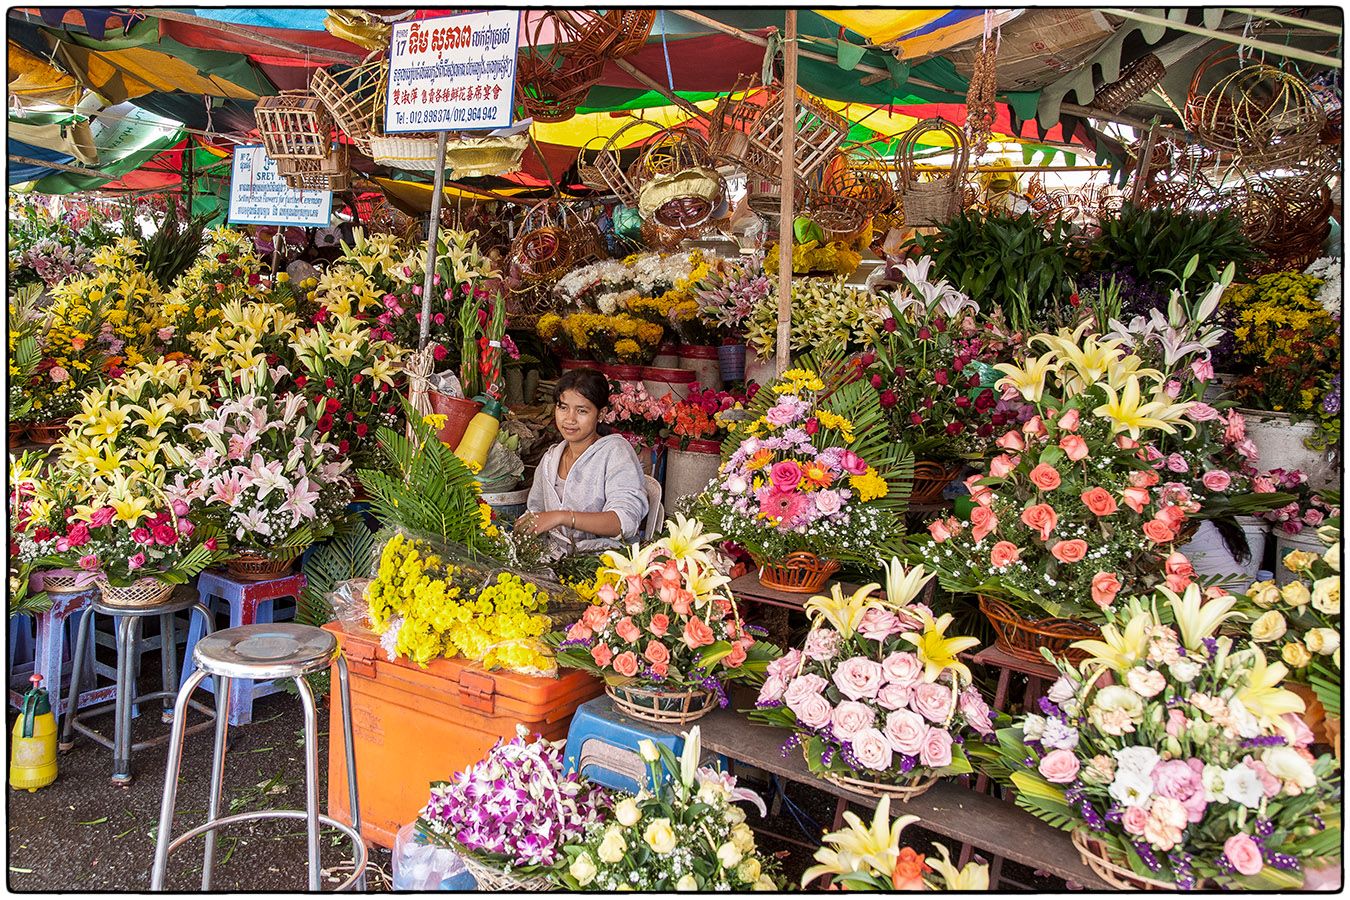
589 383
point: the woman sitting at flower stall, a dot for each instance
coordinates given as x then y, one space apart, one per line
588 492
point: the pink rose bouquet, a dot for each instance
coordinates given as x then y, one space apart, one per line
635 414
877 691
1187 763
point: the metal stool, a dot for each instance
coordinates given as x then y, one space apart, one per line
128 653
262 652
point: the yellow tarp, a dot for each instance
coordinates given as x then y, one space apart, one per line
412 195
576 131
121 75
916 33
34 80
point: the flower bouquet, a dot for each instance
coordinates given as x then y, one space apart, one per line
664 632
934 371
265 477
812 479
246 335
228 270
731 292
825 311
510 815
686 836
1186 766
868 857
635 414
42 501
877 698
1070 514
619 339
706 414
1295 505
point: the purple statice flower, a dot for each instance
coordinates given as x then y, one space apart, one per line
1331 403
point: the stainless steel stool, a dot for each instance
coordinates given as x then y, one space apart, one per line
262 652
129 621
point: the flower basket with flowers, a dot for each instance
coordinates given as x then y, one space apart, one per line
510 815
877 698
707 415
635 414
687 834
1069 515
1185 766
934 371
868 857
228 269
266 478
351 379
664 632
814 473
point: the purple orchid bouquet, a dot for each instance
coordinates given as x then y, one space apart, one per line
515 809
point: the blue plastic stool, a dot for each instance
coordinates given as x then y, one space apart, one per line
251 603
602 743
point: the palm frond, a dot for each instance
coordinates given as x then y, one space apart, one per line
349 554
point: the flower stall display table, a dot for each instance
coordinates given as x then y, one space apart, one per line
947 809
415 725
779 605
251 603
1039 676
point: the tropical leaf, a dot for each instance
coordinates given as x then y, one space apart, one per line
350 553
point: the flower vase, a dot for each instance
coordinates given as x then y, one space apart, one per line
801 572
1280 443
623 374
667 356
458 413
668 707
760 369
690 468
1285 543
702 361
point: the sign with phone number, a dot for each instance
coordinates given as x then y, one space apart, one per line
453 73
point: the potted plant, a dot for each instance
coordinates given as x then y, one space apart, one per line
686 834
1185 766
664 632
697 427
1069 515
267 478
876 697
510 815
812 480
934 375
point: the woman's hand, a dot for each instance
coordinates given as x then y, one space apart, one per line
538 523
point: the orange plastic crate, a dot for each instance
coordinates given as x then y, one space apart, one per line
414 726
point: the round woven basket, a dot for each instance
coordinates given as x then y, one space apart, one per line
60 581
48 432
17 430
490 878
1115 872
931 479
801 572
260 566
900 792
1024 638
668 707
139 594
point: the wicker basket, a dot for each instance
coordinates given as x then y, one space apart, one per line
1268 116
931 479
555 69
141 593
870 788
542 248
294 125
667 707
490 878
260 566
1024 638
801 572
412 152
931 202
17 430
1136 80
476 157
353 98
613 34
329 174
48 432
684 201
65 581
1115 872
820 132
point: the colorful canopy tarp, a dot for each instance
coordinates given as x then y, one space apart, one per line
916 33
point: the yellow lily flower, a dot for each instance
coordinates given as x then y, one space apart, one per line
129 509
380 371
1029 381
844 615
860 847
686 539
1119 652
702 581
1262 695
903 584
637 562
154 418
1128 414
938 652
109 462
112 421
974 877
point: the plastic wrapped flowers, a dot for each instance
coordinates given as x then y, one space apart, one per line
514 810
1188 765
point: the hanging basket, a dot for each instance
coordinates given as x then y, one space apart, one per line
553 78
48 432
329 174
491 878
879 789
666 707
931 479
261 566
141 593
935 200
1267 116
1136 80
801 572
1115 871
294 125
542 249
354 98
477 157
820 131
730 124
683 201
1023 638
613 34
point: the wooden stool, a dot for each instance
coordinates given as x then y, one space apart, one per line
251 603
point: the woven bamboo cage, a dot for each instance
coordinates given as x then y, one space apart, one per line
933 200
603 169
354 97
1136 80
331 173
1268 116
551 83
613 34
583 235
730 123
294 125
658 237
820 132
542 248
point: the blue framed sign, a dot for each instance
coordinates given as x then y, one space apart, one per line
259 195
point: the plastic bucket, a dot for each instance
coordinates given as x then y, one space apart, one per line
667 355
731 360
1280 443
701 359
508 505
661 381
458 413
1286 543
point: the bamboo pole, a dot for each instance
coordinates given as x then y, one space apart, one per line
433 228
1145 159
1287 20
660 88
789 186
1253 43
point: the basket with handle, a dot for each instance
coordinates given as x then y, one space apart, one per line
820 132
552 82
606 168
800 572
542 249
1111 867
730 123
354 97
677 184
1272 116
1023 638
665 706
935 200
294 125
613 34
